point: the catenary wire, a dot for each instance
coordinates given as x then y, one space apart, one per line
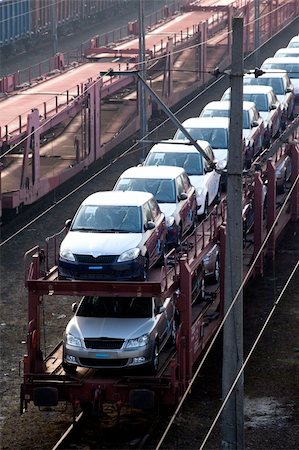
249 355
246 278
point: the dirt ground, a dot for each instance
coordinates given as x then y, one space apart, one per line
271 378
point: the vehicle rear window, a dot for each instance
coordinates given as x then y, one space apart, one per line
120 307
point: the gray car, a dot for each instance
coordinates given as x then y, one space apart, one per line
118 333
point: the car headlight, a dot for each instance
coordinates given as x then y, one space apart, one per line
141 341
128 255
169 221
72 340
67 254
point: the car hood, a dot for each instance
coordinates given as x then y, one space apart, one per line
108 327
198 181
221 154
96 244
167 208
265 116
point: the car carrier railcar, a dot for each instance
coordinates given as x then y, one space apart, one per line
44 380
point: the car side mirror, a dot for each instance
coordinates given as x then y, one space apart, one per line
183 196
68 223
160 309
149 225
272 107
254 124
74 307
289 90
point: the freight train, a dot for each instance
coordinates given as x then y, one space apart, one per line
24 22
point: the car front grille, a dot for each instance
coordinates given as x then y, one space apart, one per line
102 259
113 344
95 363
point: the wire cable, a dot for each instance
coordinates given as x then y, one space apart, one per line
246 278
249 355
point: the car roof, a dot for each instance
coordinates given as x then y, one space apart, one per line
206 122
281 60
225 104
269 73
118 198
180 146
294 39
254 88
290 50
153 172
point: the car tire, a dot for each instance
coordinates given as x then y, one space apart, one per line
69 369
216 272
218 196
145 268
154 364
206 208
281 189
179 236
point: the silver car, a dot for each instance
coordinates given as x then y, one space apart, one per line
119 332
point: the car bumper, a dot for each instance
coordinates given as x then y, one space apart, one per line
114 271
107 359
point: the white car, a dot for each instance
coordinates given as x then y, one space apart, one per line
205 180
113 236
281 84
291 65
294 42
173 191
215 132
253 125
268 105
119 332
287 52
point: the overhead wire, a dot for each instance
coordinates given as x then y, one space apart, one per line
234 300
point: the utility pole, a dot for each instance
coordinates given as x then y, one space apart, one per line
256 31
54 26
233 413
142 70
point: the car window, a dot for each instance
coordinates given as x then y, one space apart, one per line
120 307
292 68
186 182
147 213
217 137
246 119
108 218
275 83
154 207
260 100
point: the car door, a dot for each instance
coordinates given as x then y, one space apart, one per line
150 239
187 207
212 178
160 230
275 113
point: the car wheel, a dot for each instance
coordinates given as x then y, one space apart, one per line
154 365
216 272
206 208
145 268
69 369
161 258
179 236
173 333
281 189
202 289
218 195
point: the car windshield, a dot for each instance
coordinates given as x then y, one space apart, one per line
225 113
291 68
120 307
275 83
191 162
217 137
108 219
162 190
260 100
